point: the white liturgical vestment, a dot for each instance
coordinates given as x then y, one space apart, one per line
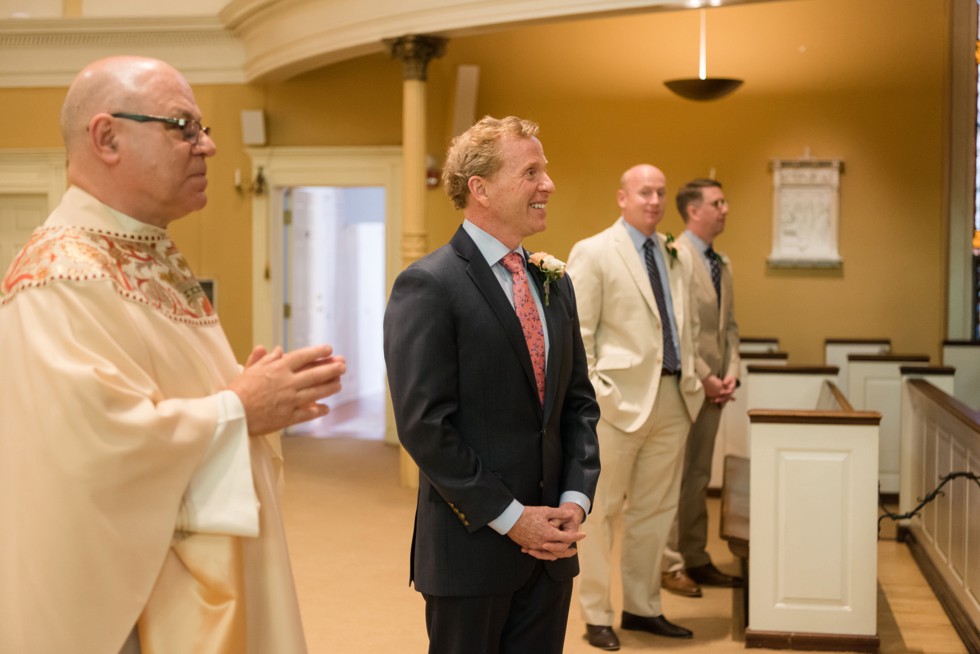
130 492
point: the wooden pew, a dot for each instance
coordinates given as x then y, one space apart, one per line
734 527
809 552
836 351
733 430
787 386
813 558
965 357
874 383
735 530
757 345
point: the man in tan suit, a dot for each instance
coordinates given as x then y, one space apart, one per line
640 335
703 207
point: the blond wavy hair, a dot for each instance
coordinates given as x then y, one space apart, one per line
476 152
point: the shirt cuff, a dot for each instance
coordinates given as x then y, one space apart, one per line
506 520
579 498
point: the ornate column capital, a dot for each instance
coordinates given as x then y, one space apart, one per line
416 51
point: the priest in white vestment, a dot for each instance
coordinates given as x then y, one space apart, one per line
138 459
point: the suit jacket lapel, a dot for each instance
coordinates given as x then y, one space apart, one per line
479 271
638 272
726 293
700 270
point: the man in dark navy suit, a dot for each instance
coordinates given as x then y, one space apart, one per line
493 401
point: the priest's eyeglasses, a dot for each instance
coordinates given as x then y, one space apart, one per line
190 128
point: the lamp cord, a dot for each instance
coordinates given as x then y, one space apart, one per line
925 500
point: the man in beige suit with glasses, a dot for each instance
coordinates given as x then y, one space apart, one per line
640 335
703 207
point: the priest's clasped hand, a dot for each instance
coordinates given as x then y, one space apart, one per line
279 389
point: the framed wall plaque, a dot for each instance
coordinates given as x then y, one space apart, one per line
805 213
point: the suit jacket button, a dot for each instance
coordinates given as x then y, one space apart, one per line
541 484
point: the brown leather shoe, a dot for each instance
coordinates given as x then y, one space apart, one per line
656 624
709 575
602 636
679 583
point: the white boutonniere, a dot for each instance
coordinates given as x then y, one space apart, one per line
553 269
671 248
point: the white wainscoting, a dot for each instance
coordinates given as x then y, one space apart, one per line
943 436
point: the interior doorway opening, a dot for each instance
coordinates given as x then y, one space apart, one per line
288 168
334 257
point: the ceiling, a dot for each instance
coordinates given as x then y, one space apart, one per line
775 45
25 9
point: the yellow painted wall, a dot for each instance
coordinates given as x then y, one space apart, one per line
888 133
218 240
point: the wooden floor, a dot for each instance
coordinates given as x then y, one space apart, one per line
349 526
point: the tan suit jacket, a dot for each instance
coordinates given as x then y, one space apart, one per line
622 327
718 331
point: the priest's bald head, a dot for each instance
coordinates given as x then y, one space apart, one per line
134 138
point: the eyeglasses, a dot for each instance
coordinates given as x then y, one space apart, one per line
191 128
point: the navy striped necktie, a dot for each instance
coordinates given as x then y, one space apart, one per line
671 364
714 260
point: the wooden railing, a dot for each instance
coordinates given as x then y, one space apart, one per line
940 436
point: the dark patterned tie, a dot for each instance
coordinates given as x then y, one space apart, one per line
670 350
714 260
527 312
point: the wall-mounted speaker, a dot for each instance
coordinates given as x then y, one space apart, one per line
253 127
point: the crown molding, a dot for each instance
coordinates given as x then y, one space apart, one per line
284 38
271 40
50 52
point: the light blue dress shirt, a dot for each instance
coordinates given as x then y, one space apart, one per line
702 247
494 251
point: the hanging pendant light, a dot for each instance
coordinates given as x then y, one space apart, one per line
703 87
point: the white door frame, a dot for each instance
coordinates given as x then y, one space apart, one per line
312 166
38 171
285 167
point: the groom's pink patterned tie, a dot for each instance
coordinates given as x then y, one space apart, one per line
527 312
